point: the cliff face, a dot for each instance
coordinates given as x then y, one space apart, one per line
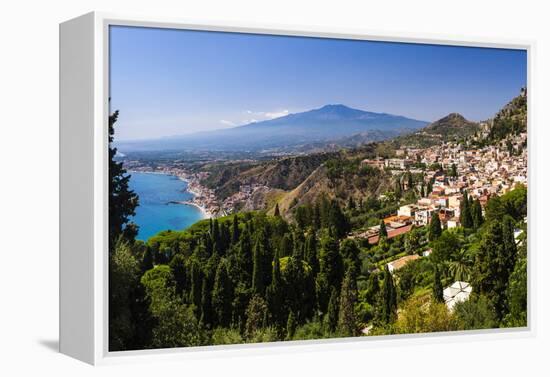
511 119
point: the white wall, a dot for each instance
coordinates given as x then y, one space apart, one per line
29 185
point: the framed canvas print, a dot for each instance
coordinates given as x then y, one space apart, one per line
235 189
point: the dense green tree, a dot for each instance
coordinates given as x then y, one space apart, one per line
387 309
373 289
290 326
222 295
177 265
124 274
434 230
122 200
256 313
331 319
477 214
492 267
437 287
147 261
176 324
475 313
330 261
235 231
465 212
383 232
516 295
350 254
206 310
275 294
310 255
277 212
347 325
258 269
412 242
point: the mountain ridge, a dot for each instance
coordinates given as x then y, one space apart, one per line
325 124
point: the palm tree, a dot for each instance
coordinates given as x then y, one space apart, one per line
461 267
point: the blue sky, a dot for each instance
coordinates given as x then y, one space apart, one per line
172 82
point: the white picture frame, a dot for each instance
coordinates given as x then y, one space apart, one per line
83 190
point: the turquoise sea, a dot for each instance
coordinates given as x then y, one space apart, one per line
155 212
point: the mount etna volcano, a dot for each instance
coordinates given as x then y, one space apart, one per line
329 124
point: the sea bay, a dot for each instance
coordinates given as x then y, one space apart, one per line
156 211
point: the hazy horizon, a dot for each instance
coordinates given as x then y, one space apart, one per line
169 82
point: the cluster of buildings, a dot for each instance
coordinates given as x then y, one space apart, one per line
481 172
243 198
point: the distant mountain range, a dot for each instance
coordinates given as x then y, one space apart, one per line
328 124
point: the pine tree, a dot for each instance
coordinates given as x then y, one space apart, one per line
348 296
122 201
435 227
437 288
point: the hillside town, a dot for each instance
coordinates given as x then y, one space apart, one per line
452 169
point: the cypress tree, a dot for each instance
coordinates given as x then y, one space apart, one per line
435 227
147 262
388 297
348 296
330 261
351 203
277 212
477 214
332 313
437 288
398 189
122 201
275 298
465 212
383 232
222 295
287 246
310 254
206 304
177 266
235 233
410 182
493 265
257 269
245 255
290 326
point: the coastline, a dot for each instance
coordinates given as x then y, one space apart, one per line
193 187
